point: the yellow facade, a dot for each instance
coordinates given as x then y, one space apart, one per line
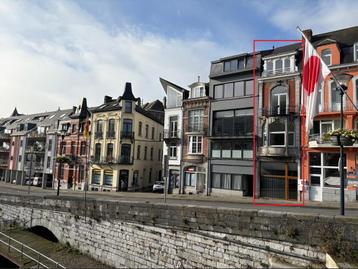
118 173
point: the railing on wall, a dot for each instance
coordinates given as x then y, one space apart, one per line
41 260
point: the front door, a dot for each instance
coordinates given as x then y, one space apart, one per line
123 180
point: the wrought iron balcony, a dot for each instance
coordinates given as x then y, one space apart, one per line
127 134
172 134
125 159
197 129
317 141
2 149
108 160
98 135
277 111
111 134
3 163
278 72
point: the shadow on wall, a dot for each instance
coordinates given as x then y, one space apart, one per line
43 232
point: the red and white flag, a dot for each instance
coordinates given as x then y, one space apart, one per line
314 72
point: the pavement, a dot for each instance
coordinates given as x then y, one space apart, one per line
310 207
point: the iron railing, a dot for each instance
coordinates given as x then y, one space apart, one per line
127 134
172 134
278 71
26 251
275 111
98 135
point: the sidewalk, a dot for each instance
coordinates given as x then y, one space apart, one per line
17 189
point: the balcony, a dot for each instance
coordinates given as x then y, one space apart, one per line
3 163
4 136
111 134
278 72
98 135
197 129
277 111
125 160
127 135
317 141
269 151
36 136
5 150
108 160
171 135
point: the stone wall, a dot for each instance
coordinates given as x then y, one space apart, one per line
151 235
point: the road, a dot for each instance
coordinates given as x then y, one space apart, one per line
314 208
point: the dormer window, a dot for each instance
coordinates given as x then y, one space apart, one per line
197 92
355 52
128 106
326 56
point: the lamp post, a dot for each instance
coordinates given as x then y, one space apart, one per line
343 80
62 133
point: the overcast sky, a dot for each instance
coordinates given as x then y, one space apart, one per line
53 53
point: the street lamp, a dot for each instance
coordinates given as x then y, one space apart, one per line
343 80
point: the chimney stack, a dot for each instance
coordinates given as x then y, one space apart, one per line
165 102
308 34
107 99
198 78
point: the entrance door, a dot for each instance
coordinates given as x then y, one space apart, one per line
123 180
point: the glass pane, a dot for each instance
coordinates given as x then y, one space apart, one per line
226 181
249 90
233 65
236 182
291 139
269 65
315 181
239 88
331 178
226 150
277 139
249 61
227 66
330 159
228 90
278 66
241 63
216 180
315 158
236 152
218 91
215 151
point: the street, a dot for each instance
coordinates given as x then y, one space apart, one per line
190 200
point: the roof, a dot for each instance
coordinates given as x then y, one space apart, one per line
155 106
82 112
128 94
165 83
345 37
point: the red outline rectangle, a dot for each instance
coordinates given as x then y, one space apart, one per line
254 128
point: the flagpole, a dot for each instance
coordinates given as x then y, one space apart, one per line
332 74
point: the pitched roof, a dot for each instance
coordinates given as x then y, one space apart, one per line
165 83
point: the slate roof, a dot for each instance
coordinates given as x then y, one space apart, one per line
165 83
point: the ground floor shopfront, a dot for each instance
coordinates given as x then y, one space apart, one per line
194 178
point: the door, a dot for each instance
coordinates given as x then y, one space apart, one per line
123 180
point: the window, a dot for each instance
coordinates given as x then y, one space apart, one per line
196 120
99 129
81 172
61 171
232 150
140 128
218 91
231 65
110 152
190 179
279 98
159 154
127 127
153 130
355 51
197 92
239 88
326 56
125 153
20 158
63 148
145 153
173 126
21 141
73 147
111 128
151 154
356 91
49 145
108 177
138 152
150 174
233 123
249 87
83 148
335 97
277 133
249 62
228 90
195 144
73 128
97 152
278 65
269 66
227 181
146 130
48 163
173 152
128 106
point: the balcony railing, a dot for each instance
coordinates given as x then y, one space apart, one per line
127 134
3 163
172 134
275 111
2 149
111 134
197 129
278 71
111 160
316 141
36 135
4 136
98 135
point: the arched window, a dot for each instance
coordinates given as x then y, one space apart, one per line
278 66
326 56
110 152
279 100
97 152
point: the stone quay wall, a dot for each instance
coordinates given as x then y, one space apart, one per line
127 234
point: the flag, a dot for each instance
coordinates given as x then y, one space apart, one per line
86 129
314 73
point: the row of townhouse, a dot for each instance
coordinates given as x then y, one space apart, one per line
113 147
242 135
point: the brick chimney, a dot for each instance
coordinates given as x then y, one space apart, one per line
107 99
308 34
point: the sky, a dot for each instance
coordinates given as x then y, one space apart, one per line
54 53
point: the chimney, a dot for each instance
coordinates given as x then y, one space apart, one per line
198 78
74 109
107 99
165 102
139 102
308 34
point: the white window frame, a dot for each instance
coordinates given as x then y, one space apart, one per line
173 152
330 55
194 144
196 116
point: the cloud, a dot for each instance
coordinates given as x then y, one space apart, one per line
320 16
54 52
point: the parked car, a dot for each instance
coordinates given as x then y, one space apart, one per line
13 181
158 186
37 181
28 182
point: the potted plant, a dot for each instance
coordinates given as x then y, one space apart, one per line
345 136
63 159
